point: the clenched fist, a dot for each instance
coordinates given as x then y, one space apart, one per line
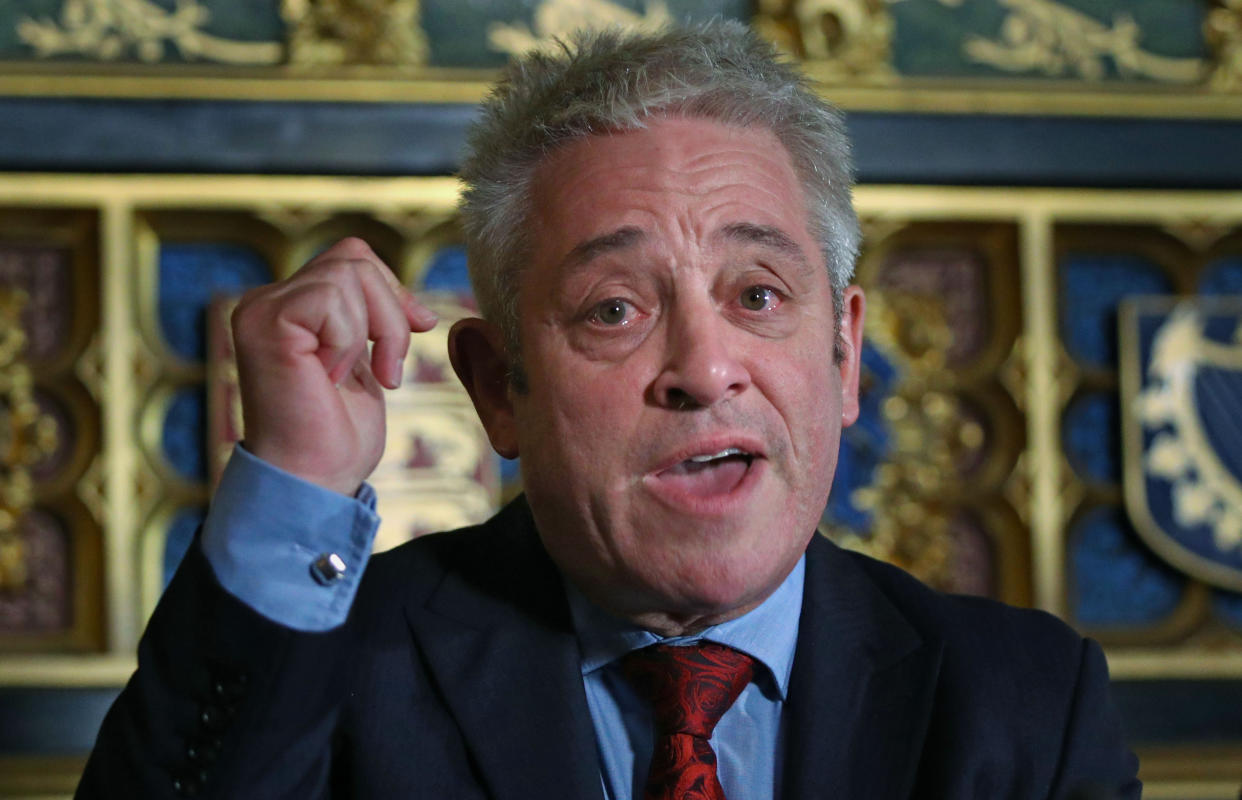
312 401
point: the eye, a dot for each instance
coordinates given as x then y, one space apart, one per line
757 298
613 311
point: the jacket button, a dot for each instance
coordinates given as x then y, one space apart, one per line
212 717
327 568
201 752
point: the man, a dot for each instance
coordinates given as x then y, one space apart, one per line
661 240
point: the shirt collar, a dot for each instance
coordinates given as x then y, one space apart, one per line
768 633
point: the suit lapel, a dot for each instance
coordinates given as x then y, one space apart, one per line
500 645
862 687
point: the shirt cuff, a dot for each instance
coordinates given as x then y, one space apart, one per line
278 543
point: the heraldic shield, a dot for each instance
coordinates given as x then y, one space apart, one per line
1181 374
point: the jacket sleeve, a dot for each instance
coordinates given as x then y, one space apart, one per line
225 703
1095 761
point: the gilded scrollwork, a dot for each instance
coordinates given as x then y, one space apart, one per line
27 435
846 38
910 524
109 29
1223 32
334 32
1048 37
555 19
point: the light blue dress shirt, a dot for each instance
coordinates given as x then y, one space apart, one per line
266 527
748 740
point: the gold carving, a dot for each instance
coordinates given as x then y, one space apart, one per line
26 436
851 38
1015 377
556 19
108 29
910 526
878 230
1199 235
1223 31
89 367
294 222
92 491
145 366
333 32
855 35
1013 373
1054 39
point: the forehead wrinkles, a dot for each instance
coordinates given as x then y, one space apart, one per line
689 179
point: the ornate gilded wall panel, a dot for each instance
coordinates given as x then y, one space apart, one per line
51 595
185 260
990 458
952 470
1166 57
1130 584
438 471
940 435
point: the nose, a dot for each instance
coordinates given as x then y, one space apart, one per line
702 365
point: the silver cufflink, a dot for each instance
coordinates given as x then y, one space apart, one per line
327 568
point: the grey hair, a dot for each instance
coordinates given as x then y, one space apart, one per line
607 81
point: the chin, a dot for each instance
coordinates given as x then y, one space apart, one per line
719 586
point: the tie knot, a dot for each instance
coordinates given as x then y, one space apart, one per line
691 687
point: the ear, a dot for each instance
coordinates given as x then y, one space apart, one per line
477 352
852 312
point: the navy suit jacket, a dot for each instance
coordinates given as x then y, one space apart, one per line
457 676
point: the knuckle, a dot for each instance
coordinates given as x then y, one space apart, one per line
248 309
354 247
343 273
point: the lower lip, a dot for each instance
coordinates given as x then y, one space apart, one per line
682 496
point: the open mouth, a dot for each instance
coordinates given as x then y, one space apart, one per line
709 474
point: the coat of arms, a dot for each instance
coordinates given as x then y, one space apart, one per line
1182 417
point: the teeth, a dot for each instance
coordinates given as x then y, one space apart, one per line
729 451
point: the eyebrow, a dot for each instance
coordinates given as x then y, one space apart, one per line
620 239
764 236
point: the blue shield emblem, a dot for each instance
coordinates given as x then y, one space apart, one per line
1181 372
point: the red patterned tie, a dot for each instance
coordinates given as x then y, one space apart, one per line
689 688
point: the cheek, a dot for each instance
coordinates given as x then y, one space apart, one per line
586 412
810 405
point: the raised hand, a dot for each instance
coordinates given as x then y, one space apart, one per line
312 401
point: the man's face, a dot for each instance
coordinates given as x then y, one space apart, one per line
682 420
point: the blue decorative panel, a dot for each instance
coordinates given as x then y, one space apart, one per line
864 445
1100 39
164 30
1228 607
447 271
1068 39
190 275
1116 582
1222 277
479 34
185 439
180 534
1091 434
1092 284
